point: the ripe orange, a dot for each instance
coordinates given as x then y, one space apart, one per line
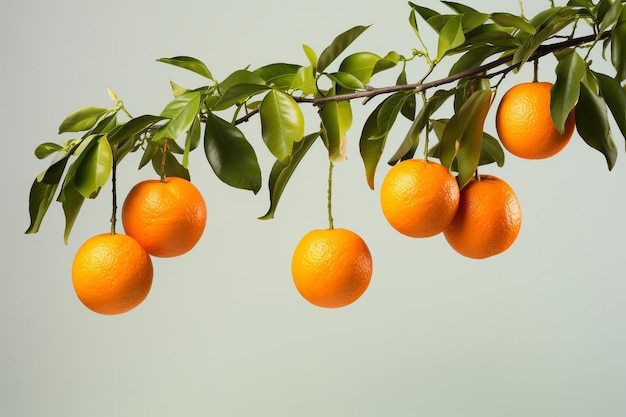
111 273
488 219
166 218
419 198
331 267
524 124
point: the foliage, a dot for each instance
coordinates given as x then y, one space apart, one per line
481 48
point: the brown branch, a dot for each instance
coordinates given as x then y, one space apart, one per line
371 92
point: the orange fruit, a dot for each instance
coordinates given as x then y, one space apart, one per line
331 267
524 124
166 218
488 219
111 273
419 198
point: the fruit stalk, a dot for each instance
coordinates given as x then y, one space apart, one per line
330 195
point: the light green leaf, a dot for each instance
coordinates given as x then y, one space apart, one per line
460 8
239 93
360 65
337 46
240 77
181 113
345 80
570 71
46 149
230 155
189 63
462 136
280 74
337 119
593 126
82 119
512 21
281 173
282 123
310 55
450 36
305 81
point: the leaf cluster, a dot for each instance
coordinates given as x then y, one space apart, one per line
481 48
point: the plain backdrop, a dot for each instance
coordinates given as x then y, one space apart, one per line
536 331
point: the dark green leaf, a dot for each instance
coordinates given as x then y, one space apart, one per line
371 149
473 58
71 201
388 61
615 98
570 71
389 111
490 151
240 77
462 136
230 155
172 167
618 47
426 14
337 46
281 173
148 154
94 169
610 17
336 119
409 107
282 123
82 119
189 63
46 149
593 126
191 142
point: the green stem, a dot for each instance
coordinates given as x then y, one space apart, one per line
114 191
331 224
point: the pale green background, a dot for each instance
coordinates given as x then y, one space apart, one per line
537 331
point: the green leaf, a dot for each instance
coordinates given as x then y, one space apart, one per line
462 136
346 80
46 149
490 151
72 201
371 145
360 65
82 119
282 123
240 77
387 62
337 46
281 173
172 167
310 55
337 119
473 58
305 81
239 93
94 169
189 63
450 36
134 127
615 98
181 112
425 13
230 155
611 17
570 71
593 126
389 111
618 47
280 75
512 21
191 142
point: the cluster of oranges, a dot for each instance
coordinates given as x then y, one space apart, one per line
419 198
112 272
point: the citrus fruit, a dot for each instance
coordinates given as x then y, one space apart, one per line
166 217
488 219
524 124
331 267
419 198
111 273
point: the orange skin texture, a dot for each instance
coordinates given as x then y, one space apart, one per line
166 218
419 198
331 268
488 220
111 273
524 124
